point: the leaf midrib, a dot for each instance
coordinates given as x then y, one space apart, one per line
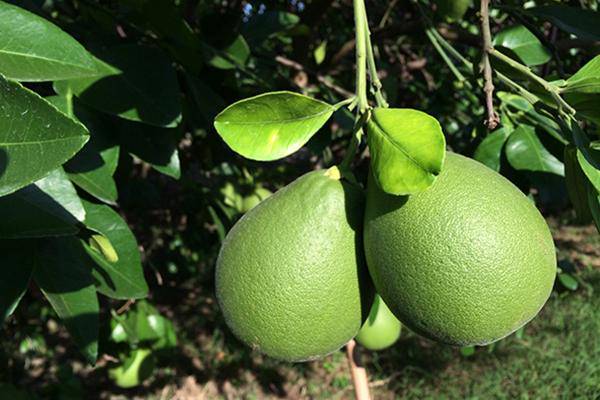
281 121
398 146
50 60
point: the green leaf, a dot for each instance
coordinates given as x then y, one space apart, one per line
594 203
93 167
167 20
568 281
576 184
272 125
589 159
524 44
407 149
586 80
263 26
123 279
34 49
208 102
49 207
135 82
68 285
586 105
489 150
320 52
17 265
577 21
233 56
156 146
524 151
515 101
35 138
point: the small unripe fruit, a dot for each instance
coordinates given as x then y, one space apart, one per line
381 329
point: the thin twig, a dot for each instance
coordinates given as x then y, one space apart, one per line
387 13
374 77
359 373
459 76
286 62
361 55
488 87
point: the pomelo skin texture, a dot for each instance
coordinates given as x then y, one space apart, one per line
466 262
290 272
381 329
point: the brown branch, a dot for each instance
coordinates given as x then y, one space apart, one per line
359 373
286 62
488 87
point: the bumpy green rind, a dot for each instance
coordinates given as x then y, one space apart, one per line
381 330
290 273
466 262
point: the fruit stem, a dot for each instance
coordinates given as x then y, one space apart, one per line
357 133
376 85
361 55
359 373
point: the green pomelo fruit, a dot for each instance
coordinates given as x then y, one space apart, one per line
290 274
468 261
452 9
381 329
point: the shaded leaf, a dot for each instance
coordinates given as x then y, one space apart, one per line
17 265
577 21
34 49
49 207
524 44
576 184
135 82
594 203
407 149
35 138
272 125
568 281
206 100
166 19
489 150
156 146
586 80
93 167
262 26
68 285
589 159
233 56
124 278
524 151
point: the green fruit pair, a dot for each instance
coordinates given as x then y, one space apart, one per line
466 262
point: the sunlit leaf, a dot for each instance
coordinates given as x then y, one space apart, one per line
34 49
407 149
272 125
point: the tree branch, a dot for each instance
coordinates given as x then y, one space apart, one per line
488 87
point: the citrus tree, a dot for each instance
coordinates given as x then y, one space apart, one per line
379 99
